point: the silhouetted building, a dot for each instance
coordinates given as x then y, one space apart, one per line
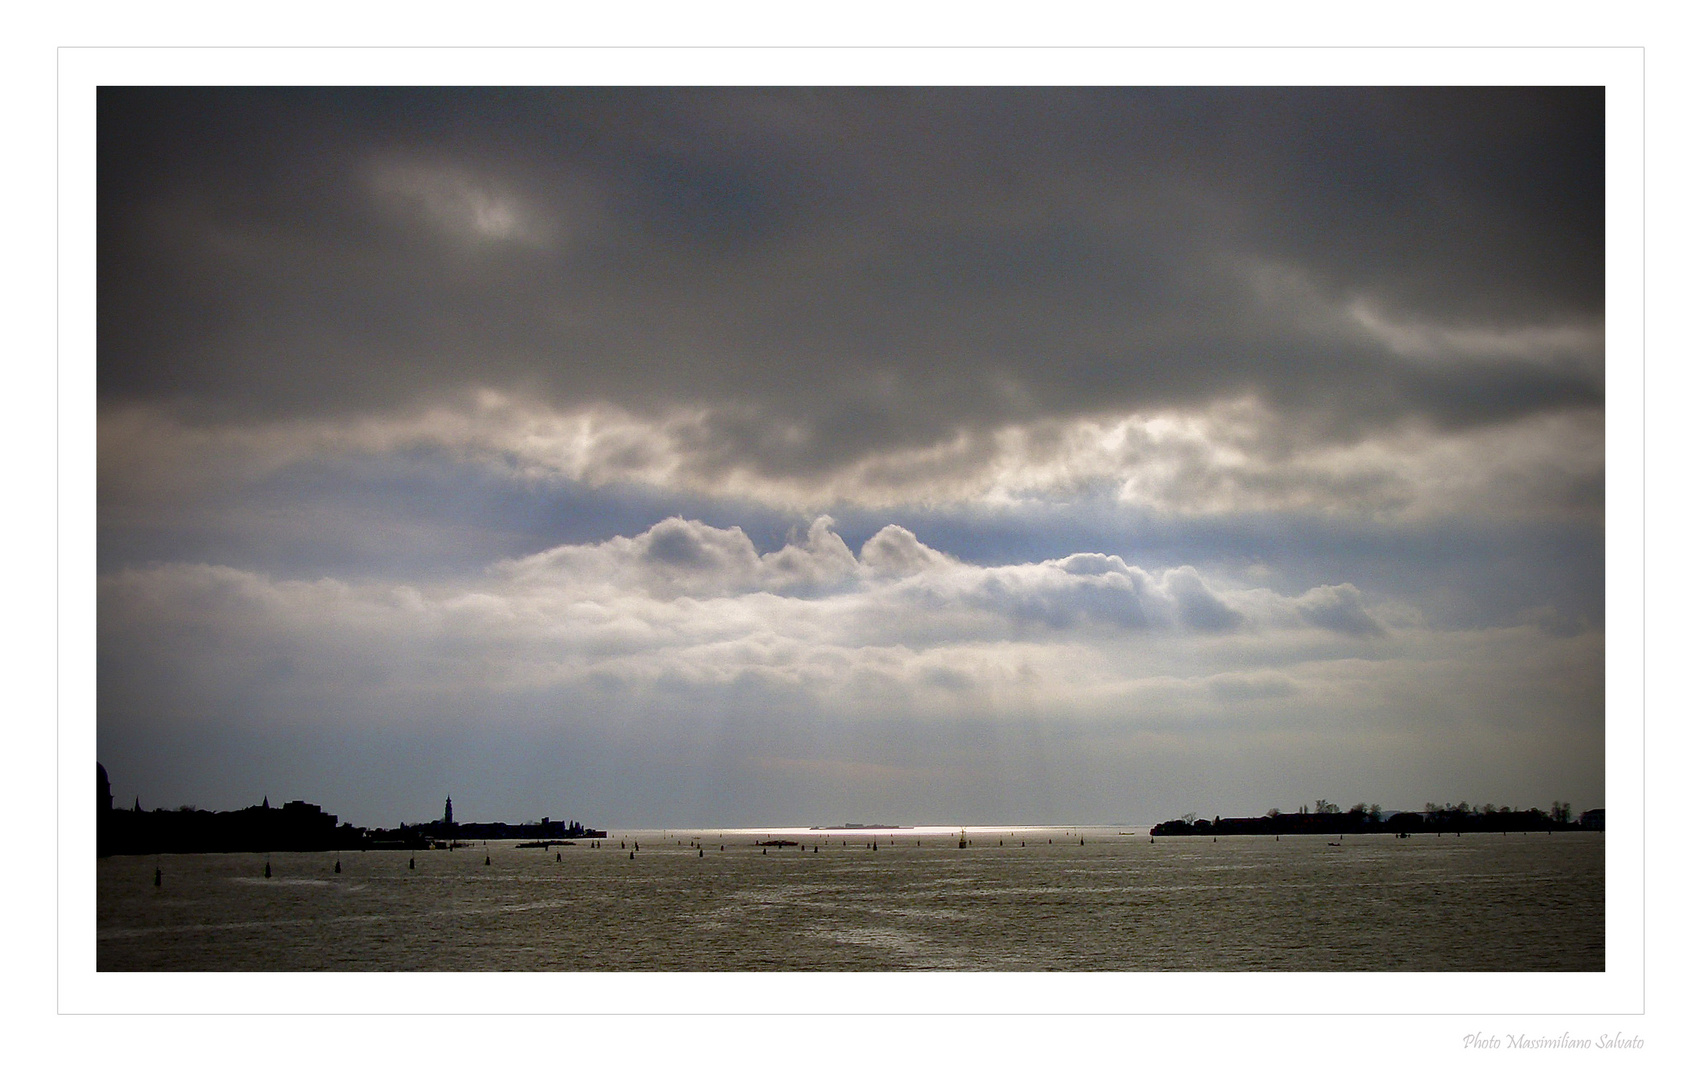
102 821
296 826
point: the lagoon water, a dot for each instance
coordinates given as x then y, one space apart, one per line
1046 898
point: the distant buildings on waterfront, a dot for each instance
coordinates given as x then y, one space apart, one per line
295 826
447 830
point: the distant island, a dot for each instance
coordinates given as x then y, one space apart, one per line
1361 818
294 826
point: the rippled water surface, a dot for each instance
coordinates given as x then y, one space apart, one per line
1063 898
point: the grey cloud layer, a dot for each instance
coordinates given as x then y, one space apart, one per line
837 277
1231 457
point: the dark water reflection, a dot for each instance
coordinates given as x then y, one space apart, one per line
1113 903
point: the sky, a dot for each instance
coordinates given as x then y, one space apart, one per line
725 457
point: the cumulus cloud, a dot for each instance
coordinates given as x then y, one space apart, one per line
655 639
899 588
687 624
678 558
687 602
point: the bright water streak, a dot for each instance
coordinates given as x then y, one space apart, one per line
1037 898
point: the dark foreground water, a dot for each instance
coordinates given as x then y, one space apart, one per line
1115 902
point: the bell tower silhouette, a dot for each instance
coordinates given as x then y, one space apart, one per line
449 813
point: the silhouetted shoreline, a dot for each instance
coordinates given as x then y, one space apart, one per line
295 826
1439 819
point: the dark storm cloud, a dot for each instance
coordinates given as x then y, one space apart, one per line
832 274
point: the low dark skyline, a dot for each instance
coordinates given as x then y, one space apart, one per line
725 457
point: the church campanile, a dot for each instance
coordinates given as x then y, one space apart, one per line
449 812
